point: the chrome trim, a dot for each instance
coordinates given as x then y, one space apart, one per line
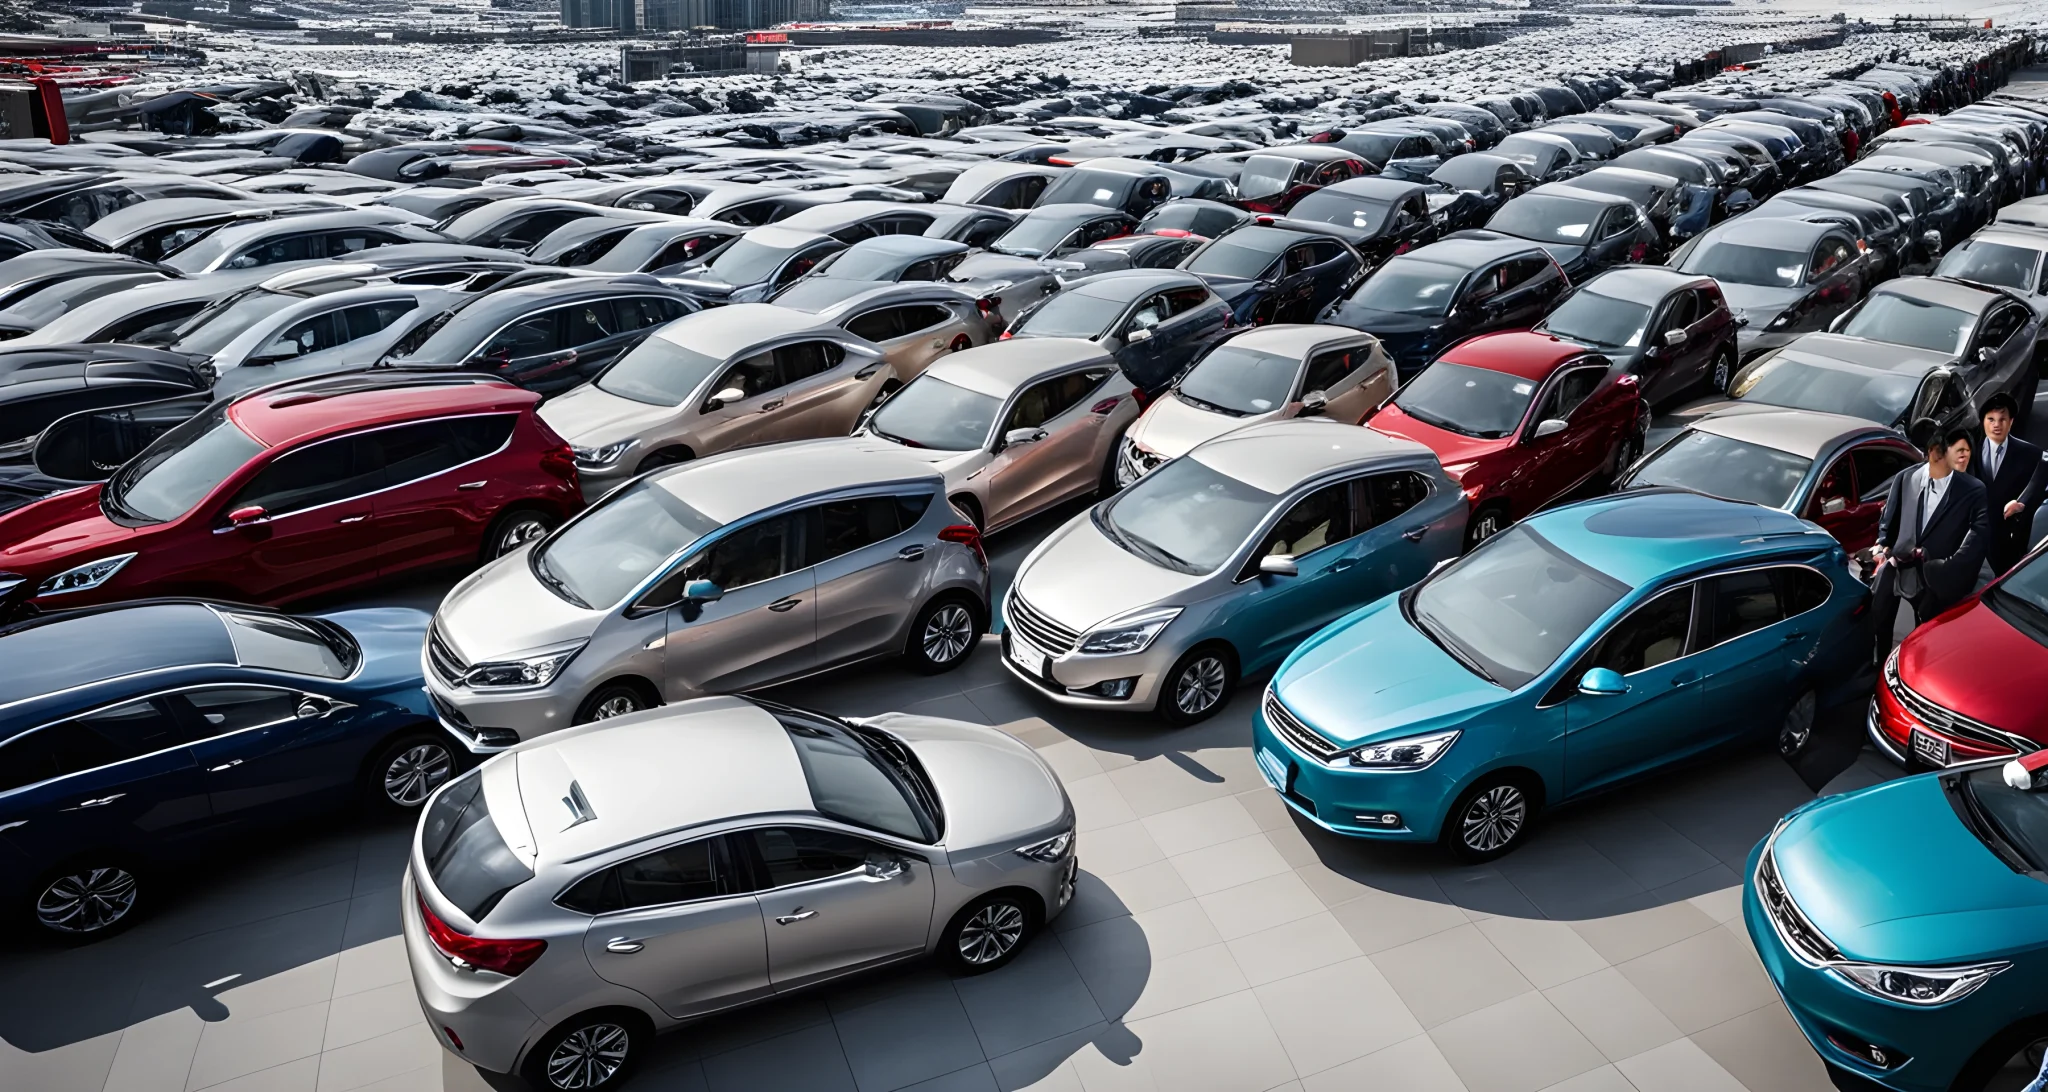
1799 936
1877 736
1295 732
1043 633
1947 721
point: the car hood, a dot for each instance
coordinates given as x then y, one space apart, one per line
1452 449
503 610
955 465
1171 427
1758 303
995 791
1564 253
1944 663
1230 289
587 416
1387 325
390 638
701 282
1078 577
1371 675
1890 875
55 533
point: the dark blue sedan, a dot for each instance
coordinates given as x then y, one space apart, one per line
140 734
1277 274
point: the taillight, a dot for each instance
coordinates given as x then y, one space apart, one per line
1139 396
988 305
505 957
560 462
1005 337
1104 406
966 534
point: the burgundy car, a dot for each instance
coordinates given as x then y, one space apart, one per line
1968 684
301 489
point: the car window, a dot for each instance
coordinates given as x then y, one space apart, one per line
342 243
220 710
467 859
313 475
1384 496
589 322
1320 519
28 416
845 526
96 739
759 551
1839 483
1298 259
1332 366
1876 466
751 376
1412 147
1652 634
1683 313
684 250
1567 392
1620 220
927 270
795 855
881 324
1150 312
641 312
1522 272
801 265
1100 230
531 336
1801 589
412 452
677 874
920 317
1041 402
805 359
297 248
981 233
2000 327
1179 301
1739 603
307 336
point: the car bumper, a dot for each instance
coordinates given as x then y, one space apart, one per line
1075 680
1750 345
596 482
476 1009
1354 803
1893 727
487 723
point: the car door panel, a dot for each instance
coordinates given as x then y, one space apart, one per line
1747 649
824 390
315 533
763 629
260 757
868 903
688 935
1029 477
748 419
439 494
1612 737
869 573
117 779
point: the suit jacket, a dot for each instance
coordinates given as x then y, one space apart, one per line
1956 539
2020 478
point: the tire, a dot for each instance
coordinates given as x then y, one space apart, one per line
1199 683
407 771
943 635
971 508
88 900
670 456
1490 520
515 528
989 932
1722 373
1795 729
1992 1056
1625 455
613 699
594 1051
1491 819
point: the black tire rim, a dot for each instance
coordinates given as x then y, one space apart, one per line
1494 819
588 1057
520 531
948 634
414 773
87 901
1199 686
992 933
1485 527
1724 370
1797 728
618 705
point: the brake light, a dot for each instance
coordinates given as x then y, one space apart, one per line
1104 406
560 462
1174 233
988 304
966 534
499 956
1058 161
1263 221
1005 336
1139 396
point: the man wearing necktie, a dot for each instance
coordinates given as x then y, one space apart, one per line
2011 471
1933 535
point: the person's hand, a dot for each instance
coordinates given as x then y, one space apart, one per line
2013 508
1878 556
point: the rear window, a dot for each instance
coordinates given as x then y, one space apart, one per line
467 860
277 643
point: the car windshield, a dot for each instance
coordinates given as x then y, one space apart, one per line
1072 314
1466 400
749 261
1329 207
855 778
209 331
2022 598
1874 396
930 412
1239 381
1547 219
274 642
1722 467
1991 263
1510 608
1224 258
1184 516
1410 286
1034 236
1264 176
1903 320
1742 264
180 468
1086 187
658 372
466 857
856 264
1595 319
2018 820
596 560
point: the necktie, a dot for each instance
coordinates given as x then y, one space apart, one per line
1991 464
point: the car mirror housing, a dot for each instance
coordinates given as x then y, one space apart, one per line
1279 565
1314 402
1602 682
242 517
1674 338
1023 436
1834 506
1136 336
702 591
723 399
1550 427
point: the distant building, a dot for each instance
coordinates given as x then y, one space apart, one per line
636 16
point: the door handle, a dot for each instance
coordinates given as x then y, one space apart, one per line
1686 679
910 553
224 766
98 801
782 605
623 945
1342 564
352 519
1414 534
767 407
869 371
1794 635
800 915
472 485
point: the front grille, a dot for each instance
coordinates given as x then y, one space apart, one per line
1040 632
447 666
1951 723
1799 934
1290 728
1134 462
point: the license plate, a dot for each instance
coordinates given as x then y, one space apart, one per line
1932 750
1274 769
1026 657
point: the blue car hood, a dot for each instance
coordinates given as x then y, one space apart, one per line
392 638
1891 875
1370 675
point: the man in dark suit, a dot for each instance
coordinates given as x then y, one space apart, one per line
1933 535
2010 469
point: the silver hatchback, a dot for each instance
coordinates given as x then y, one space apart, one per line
724 574
570 898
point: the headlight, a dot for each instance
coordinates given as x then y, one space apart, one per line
536 670
1050 850
1918 985
89 575
1412 753
601 456
1127 635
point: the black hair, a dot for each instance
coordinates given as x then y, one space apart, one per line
1952 437
1925 434
2001 401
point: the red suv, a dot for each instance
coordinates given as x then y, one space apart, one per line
1968 684
301 489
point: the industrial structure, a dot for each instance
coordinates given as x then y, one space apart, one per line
637 16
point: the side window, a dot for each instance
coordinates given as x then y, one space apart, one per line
983 232
343 243
800 854
845 526
1652 634
752 376
1411 148
1682 313
1179 301
1047 400
642 312
1740 603
1331 367
373 318
681 873
476 437
1100 230
589 322
1299 259
1027 190
531 336
1385 496
802 265
1876 467
2003 324
1149 313
918 318
125 731
298 248
322 473
1415 209
1486 283
805 359
881 324
1524 271
927 270
751 554
1801 589
32 415
1711 302
412 452
219 710
1567 391
1619 220
308 336
685 250
1317 520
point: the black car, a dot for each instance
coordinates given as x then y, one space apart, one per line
1050 231
1134 192
1915 203
1670 330
1272 180
1877 227
1277 274
1400 151
1194 215
1472 283
546 335
754 266
1585 230
42 384
1379 217
1491 180
1165 251
1679 210
1782 277
1154 322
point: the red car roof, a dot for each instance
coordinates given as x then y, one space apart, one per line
300 411
1516 352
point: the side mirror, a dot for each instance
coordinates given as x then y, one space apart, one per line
1834 506
1674 338
1548 428
1931 240
312 707
1023 436
1137 336
1313 403
1602 682
1279 565
702 591
242 517
723 399
1742 320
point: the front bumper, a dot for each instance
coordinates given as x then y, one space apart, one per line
1354 803
1892 722
486 722
1067 678
479 1009
597 481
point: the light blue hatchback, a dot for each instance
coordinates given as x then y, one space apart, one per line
1582 648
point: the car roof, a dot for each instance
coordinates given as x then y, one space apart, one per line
1278 455
656 771
1070 212
1806 433
65 651
1941 291
290 412
1634 282
1524 353
1295 338
726 331
736 484
910 247
837 215
999 367
1577 193
889 293
2009 233
1473 249
1861 354
1129 284
1260 237
1774 232
1387 190
1646 536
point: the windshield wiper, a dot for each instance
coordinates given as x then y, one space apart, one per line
1984 827
1429 418
1434 631
891 437
892 751
1202 403
555 583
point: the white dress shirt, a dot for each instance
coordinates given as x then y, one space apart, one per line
1994 457
1932 489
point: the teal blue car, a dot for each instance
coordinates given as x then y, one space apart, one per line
1906 927
1583 648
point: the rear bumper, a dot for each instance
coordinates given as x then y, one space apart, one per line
476 1008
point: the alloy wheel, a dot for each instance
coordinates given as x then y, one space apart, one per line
415 773
87 901
1485 527
588 1057
1200 686
616 706
1797 729
991 933
1494 818
520 532
948 634
1724 370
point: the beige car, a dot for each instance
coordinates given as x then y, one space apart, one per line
747 373
1016 426
913 322
1269 372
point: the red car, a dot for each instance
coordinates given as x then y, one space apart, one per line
1968 684
301 489
1519 419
